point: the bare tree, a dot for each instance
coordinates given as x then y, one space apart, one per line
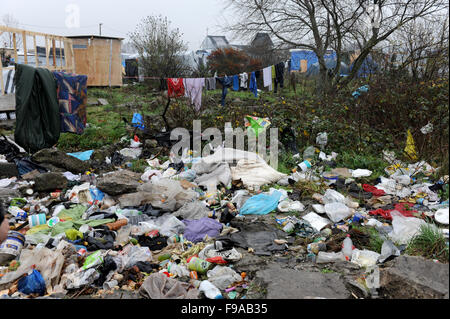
6 38
160 48
321 25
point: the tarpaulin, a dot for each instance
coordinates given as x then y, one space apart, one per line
72 99
38 121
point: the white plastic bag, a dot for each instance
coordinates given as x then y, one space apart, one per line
365 258
222 276
332 196
316 221
361 173
404 228
337 211
288 205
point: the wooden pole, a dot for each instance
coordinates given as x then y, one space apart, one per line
16 56
54 51
24 41
47 52
35 51
1 76
72 67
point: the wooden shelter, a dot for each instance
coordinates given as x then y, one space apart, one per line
53 43
99 58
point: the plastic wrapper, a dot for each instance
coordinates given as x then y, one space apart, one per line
261 204
337 211
404 228
365 258
324 257
222 277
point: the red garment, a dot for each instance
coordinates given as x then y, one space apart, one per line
372 189
400 207
175 87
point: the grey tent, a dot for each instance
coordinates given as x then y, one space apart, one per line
313 70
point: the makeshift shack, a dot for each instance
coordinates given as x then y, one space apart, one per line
99 58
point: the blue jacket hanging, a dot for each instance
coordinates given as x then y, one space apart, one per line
226 83
236 82
253 86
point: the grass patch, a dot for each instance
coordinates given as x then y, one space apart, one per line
429 243
327 271
353 160
139 166
309 188
367 238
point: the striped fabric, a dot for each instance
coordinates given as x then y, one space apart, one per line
8 81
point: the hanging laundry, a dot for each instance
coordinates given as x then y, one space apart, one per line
72 98
253 86
226 83
8 81
267 76
279 76
194 89
274 75
175 87
244 79
236 82
211 84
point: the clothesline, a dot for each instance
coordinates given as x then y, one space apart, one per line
164 78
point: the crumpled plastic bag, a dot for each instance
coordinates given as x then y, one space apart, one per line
337 211
254 173
410 148
222 276
316 221
332 196
231 155
361 173
404 228
288 205
365 258
215 250
133 254
261 204
192 210
49 263
196 230
388 249
159 286
34 283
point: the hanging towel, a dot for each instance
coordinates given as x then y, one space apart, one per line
175 87
253 86
210 84
194 87
267 76
244 80
279 76
236 82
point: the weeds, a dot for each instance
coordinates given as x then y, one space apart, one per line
429 243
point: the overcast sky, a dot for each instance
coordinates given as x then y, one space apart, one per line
119 18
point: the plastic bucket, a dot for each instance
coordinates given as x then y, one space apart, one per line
36 220
331 178
12 246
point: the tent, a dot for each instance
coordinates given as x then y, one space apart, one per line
313 70
368 67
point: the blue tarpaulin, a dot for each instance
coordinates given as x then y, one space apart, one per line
83 156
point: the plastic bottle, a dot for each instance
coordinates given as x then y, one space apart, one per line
210 291
347 248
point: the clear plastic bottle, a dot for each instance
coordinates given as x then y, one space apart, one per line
210 291
347 248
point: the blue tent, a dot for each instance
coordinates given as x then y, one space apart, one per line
368 67
331 64
309 56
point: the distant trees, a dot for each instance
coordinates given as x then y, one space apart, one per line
6 39
160 48
321 25
230 61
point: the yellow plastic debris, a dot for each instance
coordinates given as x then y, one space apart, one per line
410 148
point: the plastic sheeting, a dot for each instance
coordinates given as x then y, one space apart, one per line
159 286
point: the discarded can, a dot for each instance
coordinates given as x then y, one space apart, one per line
153 234
82 252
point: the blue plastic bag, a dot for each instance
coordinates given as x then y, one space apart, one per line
82 156
359 91
138 121
32 284
97 194
261 204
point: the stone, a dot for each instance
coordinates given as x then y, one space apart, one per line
49 182
61 160
411 277
118 183
31 175
286 283
8 170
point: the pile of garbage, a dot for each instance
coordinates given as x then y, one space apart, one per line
178 229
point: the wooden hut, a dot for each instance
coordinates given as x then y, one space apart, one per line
99 58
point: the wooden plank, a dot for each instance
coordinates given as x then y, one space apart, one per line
15 30
60 55
1 78
73 57
24 42
16 57
54 51
47 52
35 51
